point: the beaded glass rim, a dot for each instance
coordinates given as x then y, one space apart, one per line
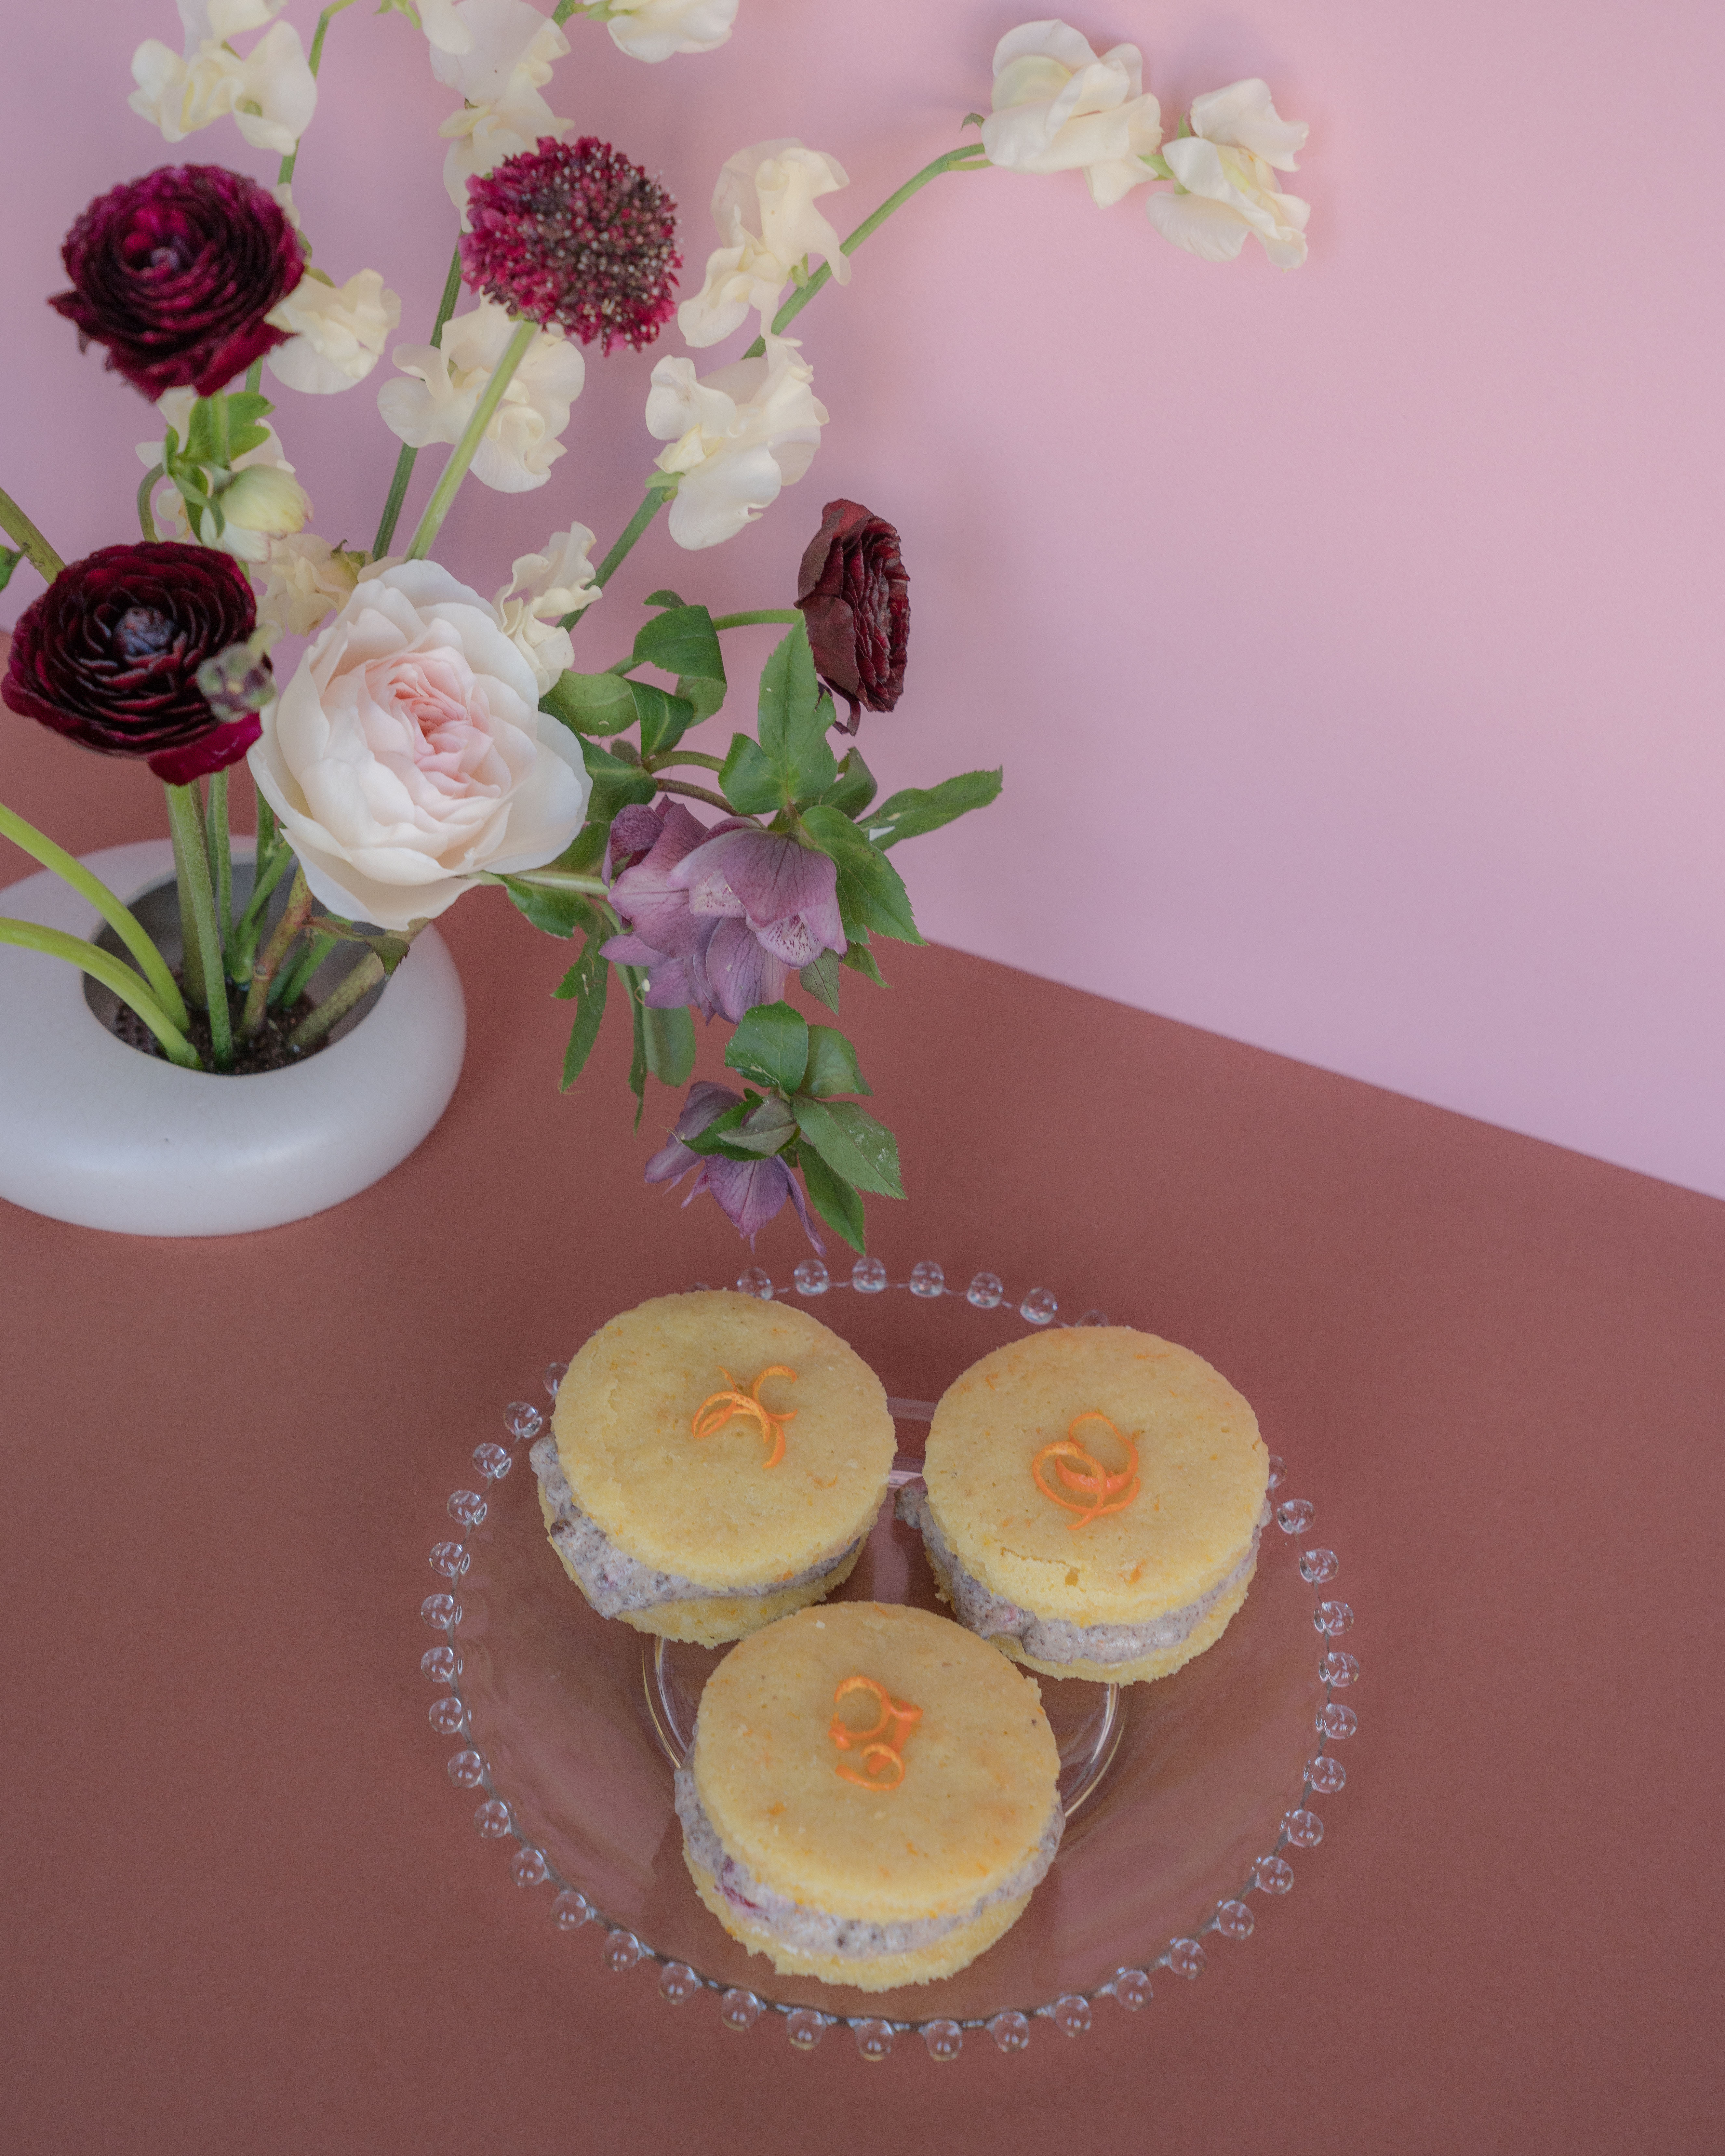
943 2036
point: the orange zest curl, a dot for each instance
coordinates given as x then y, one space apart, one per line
718 1408
881 1744
1098 1489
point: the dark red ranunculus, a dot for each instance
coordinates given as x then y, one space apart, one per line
110 652
175 273
855 597
577 235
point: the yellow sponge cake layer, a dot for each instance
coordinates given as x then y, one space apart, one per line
974 1803
1188 1526
711 1509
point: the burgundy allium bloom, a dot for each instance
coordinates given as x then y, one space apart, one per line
576 236
855 597
719 917
749 1191
110 652
175 273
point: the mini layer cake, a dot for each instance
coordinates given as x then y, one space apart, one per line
714 1464
871 1795
1092 1502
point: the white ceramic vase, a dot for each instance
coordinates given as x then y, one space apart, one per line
94 1132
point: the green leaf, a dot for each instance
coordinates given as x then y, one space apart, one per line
860 959
670 1045
871 892
821 979
10 556
834 1199
590 703
662 598
681 640
706 694
765 1130
854 789
716 1137
851 1143
585 984
557 912
585 853
390 948
831 1065
794 715
664 719
615 782
771 1043
747 779
921 809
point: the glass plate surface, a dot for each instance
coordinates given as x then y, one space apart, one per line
1187 1799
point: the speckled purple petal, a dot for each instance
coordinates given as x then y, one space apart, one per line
656 908
702 875
634 832
630 951
704 1100
774 876
740 973
750 1191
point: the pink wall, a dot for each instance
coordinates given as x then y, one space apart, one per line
1350 636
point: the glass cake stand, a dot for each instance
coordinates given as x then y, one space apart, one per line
1185 1799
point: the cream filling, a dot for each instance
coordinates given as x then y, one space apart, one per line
1058 1638
806 1930
612 1580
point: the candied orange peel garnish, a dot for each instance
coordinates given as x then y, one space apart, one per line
718 1408
1098 1489
881 1744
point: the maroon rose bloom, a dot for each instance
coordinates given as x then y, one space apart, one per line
576 236
175 273
110 652
855 597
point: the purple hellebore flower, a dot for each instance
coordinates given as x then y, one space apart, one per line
719 917
749 1192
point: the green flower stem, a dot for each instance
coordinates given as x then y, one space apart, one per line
560 880
314 61
674 756
967 157
146 521
789 615
18 528
221 859
125 924
268 873
312 1028
112 974
186 823
462 455
656 496
694 794
287 987
405 461
299 908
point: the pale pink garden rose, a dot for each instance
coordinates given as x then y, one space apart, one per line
408 756
1225 170
1060 107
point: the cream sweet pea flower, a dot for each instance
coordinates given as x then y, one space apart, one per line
439 19
764 209
736 438
500 74
267 507
271 93
1224 169
305 580
520 444
408 756
1058 108
655 29
337 332
542 589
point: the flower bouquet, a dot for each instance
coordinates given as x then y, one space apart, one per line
429 740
